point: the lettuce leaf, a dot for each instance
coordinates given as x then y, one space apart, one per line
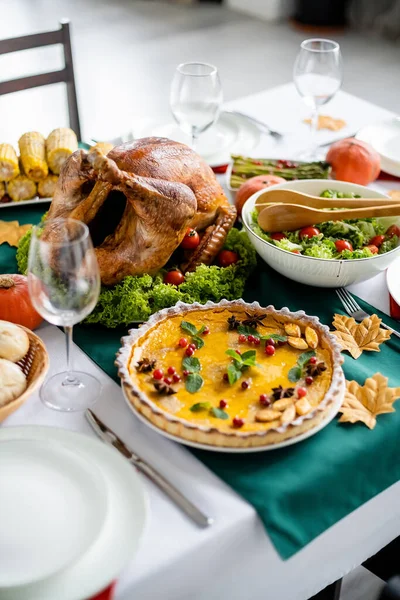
286 244
389 244
344 230
359 253
323 248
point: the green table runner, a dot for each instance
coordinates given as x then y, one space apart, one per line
301 490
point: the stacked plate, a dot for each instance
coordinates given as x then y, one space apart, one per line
385 138
71 514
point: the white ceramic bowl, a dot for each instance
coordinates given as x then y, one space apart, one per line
319 272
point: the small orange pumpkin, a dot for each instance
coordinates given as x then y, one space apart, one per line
15 302
253 185
353 160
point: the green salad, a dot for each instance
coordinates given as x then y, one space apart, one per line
351 239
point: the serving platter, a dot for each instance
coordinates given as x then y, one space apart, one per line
36 200
384 137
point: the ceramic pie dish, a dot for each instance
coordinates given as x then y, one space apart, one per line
232 374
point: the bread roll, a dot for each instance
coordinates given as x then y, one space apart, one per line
14 341
12 381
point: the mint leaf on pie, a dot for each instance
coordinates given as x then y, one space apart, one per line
234 374
294 374
193 382
188 327
198 341
199 406
219 413
191 364
274 336
249 358
233 354
247 330
305 357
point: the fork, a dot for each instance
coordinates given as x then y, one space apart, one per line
263 127
354 310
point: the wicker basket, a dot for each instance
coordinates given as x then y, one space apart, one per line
34 365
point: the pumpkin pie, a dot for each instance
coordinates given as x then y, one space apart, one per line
232 374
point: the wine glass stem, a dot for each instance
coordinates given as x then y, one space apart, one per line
70 379
194 141
313 129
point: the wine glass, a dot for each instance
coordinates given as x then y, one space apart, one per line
64 285
195 98
317 76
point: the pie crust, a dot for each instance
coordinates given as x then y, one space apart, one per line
211 435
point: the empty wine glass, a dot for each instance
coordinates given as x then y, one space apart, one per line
64 285
317 76
195 98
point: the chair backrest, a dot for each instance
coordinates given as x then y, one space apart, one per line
66 75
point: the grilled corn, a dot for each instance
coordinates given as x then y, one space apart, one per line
33 155
60 144
21 188
47 186
8 163
2 189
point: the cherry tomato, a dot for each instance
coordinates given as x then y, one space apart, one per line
374 249
377 240
295 251
309 232
174 278
227 257
343 245
191 239
278 236
393 230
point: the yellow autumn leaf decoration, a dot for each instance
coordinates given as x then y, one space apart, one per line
357 337
365 402
11 232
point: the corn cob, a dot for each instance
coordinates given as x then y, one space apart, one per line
103 147
21 188
60 144
8 163
47 186
2 189
33 155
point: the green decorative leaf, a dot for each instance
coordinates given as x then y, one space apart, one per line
233 374
274 336
249 358
294 374
192 364
233 354
193 382
199 406
198 341
246 330
201 330
219 413
305 357
188 327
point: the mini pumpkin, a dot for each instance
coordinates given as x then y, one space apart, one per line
354 161
15 302
253 185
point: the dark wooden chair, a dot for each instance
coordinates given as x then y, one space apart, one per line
66 75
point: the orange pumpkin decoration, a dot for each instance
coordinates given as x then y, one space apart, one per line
253 185
353 160
15 302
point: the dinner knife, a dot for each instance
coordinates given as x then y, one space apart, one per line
110 438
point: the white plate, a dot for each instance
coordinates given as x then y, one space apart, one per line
232 134
53 506
385 138
119 538
303 436
36 200
393 280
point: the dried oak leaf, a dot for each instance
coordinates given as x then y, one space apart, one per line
11 232
365 402
357 337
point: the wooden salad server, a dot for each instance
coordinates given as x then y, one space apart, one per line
288 217
292 197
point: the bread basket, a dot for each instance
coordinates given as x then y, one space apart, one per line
34 365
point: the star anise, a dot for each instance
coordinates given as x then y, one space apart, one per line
280 392
233 323
254 320
145 365
164 388
315 370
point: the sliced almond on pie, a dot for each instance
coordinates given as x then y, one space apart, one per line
298 343
303 406
282 404
267 414
292 329
311 337
289 414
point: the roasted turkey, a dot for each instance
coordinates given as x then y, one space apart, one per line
138 202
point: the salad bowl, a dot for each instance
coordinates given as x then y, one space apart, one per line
312 270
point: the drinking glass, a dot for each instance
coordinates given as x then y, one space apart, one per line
64 285
195 98
317 76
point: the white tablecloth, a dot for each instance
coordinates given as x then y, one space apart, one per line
234 559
